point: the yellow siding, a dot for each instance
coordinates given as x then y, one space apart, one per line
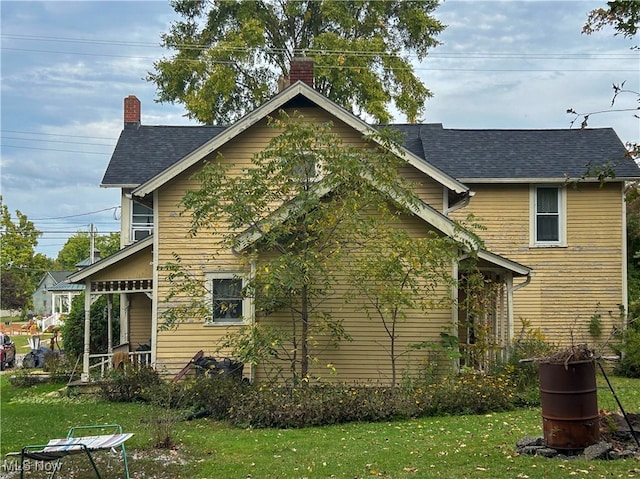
137 266
139 320
570 283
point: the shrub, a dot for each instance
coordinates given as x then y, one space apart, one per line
129 384
285 406
629 365
469 393
73 329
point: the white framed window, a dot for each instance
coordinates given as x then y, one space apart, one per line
548 215
141 221
227 302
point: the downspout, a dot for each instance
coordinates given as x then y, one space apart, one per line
511 288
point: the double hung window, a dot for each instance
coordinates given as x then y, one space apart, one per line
548 216
228 303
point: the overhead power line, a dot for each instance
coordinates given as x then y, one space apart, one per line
515 55
76 215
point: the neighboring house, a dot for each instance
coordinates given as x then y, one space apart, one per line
557 252
47 300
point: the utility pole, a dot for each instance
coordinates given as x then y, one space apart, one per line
92 244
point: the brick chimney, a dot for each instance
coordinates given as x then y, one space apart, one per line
301 69
132 110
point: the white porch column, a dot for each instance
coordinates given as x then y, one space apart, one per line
124 318
510 326
109 325
69 299
87 332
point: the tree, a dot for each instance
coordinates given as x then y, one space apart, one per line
77 248
230 54
624 15
403 275
307 204
18 271
73 329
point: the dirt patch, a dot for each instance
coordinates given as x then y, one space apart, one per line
616 441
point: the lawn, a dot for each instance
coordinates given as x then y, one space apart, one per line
452 447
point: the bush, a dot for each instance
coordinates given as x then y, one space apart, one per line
129 384
629 365
73 329
470 393
281 406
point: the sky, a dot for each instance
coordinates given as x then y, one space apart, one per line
66 67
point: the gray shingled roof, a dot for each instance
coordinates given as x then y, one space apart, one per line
469 155
142 152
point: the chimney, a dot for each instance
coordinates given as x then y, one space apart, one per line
132 110
301 69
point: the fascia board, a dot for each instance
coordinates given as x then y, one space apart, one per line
504 263
564 179
111 260
123 185
298 88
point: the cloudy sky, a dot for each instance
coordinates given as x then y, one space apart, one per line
66 67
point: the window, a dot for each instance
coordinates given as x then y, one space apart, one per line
308 167
548 216
228 303
141 221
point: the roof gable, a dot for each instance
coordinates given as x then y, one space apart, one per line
111 260
298 92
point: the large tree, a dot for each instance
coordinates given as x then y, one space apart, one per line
229 54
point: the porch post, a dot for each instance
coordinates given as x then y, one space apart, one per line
109 325
124 318
455 318
87 332
69 299
510 327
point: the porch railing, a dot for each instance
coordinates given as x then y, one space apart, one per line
102 363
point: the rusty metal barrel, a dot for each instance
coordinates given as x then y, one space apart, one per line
568 393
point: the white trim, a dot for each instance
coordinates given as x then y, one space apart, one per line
625 284
562 217
154 300
297 89
563 179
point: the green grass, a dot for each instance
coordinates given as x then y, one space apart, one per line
453 447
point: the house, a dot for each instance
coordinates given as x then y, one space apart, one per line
554 242
49 300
